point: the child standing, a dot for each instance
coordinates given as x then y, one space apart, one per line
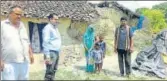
97 39
98 57
102 47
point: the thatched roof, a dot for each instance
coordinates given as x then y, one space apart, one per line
125 10
76 10
117 6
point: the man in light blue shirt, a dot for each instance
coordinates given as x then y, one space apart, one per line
51 45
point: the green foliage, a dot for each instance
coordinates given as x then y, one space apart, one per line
140 10
156 18
103 26
142 39
104 23
66 74
162 6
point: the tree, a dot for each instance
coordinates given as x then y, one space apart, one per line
156 18
163 7
140 10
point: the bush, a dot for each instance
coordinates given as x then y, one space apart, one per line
156 18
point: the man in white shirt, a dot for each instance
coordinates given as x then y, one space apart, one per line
51 45
15 47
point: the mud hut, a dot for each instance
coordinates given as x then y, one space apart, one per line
35 15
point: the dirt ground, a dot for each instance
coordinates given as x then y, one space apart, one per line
110 68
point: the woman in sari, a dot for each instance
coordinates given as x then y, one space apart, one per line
88 41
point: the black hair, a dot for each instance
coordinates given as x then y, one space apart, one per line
123 18
97 44
50 16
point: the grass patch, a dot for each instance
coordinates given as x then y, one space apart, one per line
67 74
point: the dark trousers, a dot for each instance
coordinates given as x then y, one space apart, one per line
52 68
124 58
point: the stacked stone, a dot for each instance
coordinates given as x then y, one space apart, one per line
119 7
72 54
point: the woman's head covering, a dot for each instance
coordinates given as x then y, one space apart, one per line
88 38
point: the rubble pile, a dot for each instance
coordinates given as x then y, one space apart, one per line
72 54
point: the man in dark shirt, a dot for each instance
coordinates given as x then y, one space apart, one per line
123 45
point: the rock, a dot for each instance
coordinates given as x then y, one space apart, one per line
72 53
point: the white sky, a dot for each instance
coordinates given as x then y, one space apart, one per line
133 5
